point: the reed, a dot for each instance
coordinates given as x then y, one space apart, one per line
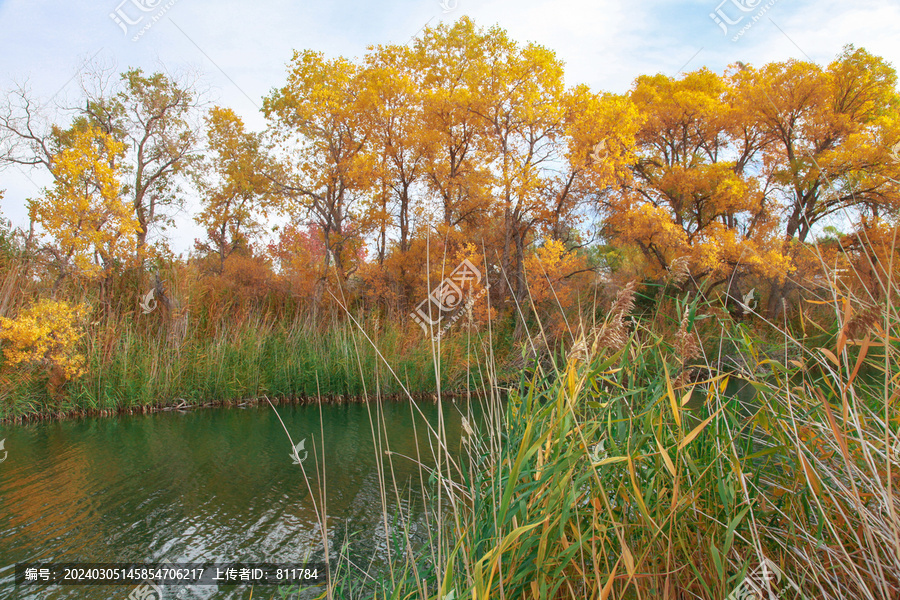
131 367
670 458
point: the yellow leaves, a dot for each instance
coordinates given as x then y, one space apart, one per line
46 334
608 120
673 403
830 128
84 212
553 256
865 83
669 102
667 461
696 216
235 191
646 224
696 430
811 475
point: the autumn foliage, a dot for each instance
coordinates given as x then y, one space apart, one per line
45 335
376 177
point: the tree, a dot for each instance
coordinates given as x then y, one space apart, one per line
833 129
599 138
149 114
152 115
456 165
690 193
93 229
552 279
501 156
327 169
235 192
520 95
393 81
46 334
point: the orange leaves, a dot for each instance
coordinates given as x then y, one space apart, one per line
690 194
673 104
555 277
600 131
480 310
646 225
825 133
549 269
720 247
300 256
871 251
324 166
723 158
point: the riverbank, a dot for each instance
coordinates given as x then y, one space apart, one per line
181 405
132 368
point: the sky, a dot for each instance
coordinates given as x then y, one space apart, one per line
241 48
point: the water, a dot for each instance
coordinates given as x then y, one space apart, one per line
214 485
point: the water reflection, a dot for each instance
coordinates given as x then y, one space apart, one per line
207 486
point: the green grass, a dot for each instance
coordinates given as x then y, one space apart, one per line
130 367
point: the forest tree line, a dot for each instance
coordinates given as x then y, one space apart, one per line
461 144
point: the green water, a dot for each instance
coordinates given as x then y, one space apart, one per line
214 485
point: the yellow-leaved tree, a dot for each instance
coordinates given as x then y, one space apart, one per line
235 193
92 229
692 193
830 132
555 274
324 167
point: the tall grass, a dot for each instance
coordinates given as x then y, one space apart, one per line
132 367
671 461
665 454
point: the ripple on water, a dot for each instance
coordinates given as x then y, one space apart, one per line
210 485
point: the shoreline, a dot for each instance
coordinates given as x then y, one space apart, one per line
184 406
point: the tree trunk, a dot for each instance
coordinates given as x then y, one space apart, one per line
521 289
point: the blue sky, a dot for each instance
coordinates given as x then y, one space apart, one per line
241 48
